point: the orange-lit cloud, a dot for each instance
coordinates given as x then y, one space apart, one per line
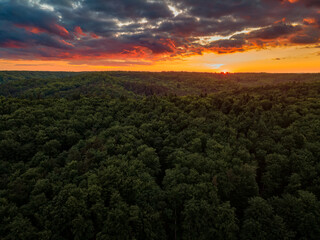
62 31
310 21
283 20
66 43
94 35
12 44
78 31
31 29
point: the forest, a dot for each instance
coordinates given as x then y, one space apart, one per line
167 155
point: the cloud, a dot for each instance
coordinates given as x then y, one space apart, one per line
78 31
215 66
111 63
234 44
24 15
151 30
278 59
305 39
310 35
130 9
311 3
274 31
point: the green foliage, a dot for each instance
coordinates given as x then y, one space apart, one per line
155 156
261 222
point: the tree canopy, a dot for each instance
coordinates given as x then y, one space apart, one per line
122 156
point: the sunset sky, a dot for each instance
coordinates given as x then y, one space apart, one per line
160 35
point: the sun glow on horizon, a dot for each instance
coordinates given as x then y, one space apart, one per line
279 60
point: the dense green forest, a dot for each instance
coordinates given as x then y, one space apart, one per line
133 84
132 155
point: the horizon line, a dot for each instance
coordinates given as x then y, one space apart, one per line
132 71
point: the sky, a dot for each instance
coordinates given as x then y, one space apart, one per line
160 35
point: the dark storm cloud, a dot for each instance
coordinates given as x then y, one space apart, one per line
307 38
189 26
275 31
234 44
151 28
25 15
130 8
262 11
60 3
214 9
311 3
20 37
